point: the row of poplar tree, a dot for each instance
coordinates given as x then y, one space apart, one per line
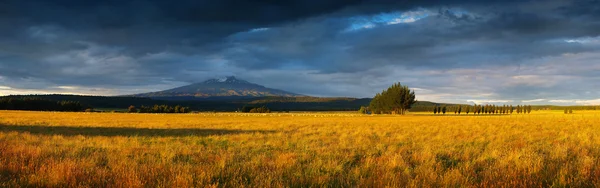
483 109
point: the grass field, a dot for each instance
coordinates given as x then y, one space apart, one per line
42 149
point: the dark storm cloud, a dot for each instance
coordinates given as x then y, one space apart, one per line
441 41
350 47
155 25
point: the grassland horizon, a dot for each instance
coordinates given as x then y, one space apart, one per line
542 149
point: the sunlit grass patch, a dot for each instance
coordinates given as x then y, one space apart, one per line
545 148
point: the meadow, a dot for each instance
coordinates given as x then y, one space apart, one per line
542 149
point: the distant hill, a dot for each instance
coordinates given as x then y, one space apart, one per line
275 103
226 88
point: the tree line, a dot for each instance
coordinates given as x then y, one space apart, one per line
159 109
398 99
215 104
483 109
39 104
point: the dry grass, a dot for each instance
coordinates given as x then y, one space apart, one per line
39 149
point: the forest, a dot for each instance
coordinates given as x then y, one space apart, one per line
40 104
81 103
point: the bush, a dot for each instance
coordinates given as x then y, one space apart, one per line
363 110
132 109
262 109
164 109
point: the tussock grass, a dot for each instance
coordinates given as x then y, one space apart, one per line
43 149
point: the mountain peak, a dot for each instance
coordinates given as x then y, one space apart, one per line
229 86
228 79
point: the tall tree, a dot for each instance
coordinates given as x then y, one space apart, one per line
397 99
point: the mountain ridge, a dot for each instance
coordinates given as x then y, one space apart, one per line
225 87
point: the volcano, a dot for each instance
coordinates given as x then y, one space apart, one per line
225 87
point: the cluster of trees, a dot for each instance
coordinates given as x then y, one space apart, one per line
38 104
260 110
568 111
397 99
251 109
159 109
523 109
483 109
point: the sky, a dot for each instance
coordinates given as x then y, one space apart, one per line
456 51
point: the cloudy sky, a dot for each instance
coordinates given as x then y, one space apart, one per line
520 52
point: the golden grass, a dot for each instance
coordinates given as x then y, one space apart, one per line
41 149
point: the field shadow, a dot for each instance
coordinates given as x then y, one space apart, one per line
122 131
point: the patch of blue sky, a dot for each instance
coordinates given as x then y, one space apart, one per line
389 18
360 25
244 34
259 29
584 40
408 18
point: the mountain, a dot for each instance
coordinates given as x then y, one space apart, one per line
226 87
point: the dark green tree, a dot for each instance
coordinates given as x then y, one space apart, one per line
362 110
397 99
